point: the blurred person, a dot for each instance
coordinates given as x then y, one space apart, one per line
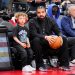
35 3
64 4
53 11
57 2
68 21
72 1
68 29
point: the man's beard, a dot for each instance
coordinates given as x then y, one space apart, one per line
41 17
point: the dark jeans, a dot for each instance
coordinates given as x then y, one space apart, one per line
41 46
71 43
26 55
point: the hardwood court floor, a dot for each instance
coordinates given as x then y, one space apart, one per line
52 71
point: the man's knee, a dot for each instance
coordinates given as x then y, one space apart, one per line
36 39
64 39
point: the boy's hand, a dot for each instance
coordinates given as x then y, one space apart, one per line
23 45
28 45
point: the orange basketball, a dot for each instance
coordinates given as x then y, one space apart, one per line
57 43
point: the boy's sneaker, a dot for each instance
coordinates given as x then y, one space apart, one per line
32 68
27 69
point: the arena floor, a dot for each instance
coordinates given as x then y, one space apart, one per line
52 71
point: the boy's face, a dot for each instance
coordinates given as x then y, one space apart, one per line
22 20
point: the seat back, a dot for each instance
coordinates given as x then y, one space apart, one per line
5 57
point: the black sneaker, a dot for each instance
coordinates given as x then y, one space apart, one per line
64 68
42 69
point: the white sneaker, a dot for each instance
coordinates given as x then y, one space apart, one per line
71 64
73 61
31 68
27 69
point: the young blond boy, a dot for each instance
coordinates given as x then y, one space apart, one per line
22 44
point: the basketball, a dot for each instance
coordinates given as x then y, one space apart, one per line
57 43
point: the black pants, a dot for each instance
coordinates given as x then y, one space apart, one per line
71 43
26 55
41 46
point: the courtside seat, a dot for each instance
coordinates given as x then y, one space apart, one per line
5 50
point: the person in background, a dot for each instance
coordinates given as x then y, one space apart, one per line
41 29
72 1
68 29
21 42
53 12
57 2
35 3
64 5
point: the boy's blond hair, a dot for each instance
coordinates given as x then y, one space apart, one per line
20 14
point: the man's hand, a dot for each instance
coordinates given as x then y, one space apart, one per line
51 39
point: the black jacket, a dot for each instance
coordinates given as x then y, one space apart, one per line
39 28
